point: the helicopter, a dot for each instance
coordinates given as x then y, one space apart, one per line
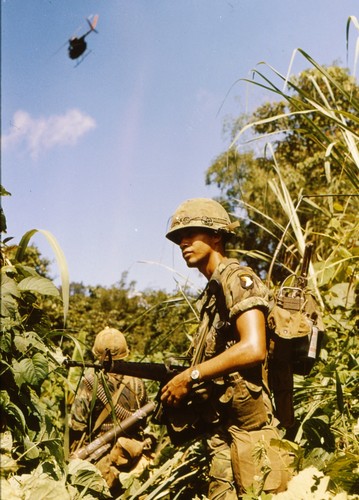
78 45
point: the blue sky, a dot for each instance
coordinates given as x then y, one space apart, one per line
101 154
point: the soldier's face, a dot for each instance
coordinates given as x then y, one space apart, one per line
197 246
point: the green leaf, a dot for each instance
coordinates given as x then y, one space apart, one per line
8 465
6 342
60 257
9 408
339 389
32 450
8 286
9 290
341 295
36 342
55 447
32 371
38 284
41 486
22 342
338 207
85 474
343 471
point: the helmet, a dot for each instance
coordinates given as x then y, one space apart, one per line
111 339
203 213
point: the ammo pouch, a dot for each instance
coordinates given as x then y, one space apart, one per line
255 451
295 335
199 413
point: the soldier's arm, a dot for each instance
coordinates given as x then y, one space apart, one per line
250 350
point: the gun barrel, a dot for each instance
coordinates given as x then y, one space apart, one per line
70 363
150 371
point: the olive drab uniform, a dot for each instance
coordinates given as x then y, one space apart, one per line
247 423
92 415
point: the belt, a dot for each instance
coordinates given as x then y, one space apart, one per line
234 377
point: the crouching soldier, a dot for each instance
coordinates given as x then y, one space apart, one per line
93 413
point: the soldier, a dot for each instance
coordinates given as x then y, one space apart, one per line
229 350
92 413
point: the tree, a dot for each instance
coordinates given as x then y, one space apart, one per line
153 322
312 123
317 125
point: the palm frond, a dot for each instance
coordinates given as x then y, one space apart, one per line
61 261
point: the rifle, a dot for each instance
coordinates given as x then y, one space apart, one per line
97 447
296 331
161 372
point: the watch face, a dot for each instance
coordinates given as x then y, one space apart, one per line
195 375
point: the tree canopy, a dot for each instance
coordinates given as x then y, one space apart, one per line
305 146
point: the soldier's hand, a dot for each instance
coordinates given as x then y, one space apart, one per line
176 389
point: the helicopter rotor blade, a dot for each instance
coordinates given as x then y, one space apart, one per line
60 48
93 23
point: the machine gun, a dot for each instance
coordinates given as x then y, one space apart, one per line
98 446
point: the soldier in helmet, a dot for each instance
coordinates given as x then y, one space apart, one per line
228 351
92 412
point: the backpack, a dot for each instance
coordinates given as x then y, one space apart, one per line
295 333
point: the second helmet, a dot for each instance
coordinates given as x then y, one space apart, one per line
111 339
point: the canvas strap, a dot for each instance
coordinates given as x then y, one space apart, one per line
121 413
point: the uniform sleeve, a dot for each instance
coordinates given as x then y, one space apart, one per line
244 290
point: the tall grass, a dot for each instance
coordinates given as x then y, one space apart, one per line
327 402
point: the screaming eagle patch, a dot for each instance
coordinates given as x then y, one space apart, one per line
246 281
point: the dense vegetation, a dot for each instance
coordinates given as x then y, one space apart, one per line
302 185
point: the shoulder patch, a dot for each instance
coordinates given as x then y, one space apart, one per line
246 281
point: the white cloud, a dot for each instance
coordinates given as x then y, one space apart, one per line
40 134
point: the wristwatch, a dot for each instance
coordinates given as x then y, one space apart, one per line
195 375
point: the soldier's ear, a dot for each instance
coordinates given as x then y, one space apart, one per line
217 238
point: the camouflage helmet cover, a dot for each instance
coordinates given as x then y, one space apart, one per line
111 339
203 213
